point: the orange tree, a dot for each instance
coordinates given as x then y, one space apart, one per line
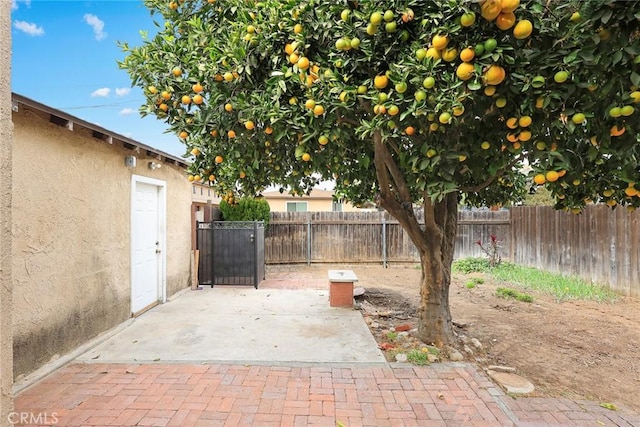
408 103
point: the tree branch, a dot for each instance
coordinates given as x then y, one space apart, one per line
394 146
390 179
489 181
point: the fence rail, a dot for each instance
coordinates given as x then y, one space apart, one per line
601 245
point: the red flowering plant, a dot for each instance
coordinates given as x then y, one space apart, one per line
493 250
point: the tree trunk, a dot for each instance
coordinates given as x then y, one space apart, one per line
435 243
434 325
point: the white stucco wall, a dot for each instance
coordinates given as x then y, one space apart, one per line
71 253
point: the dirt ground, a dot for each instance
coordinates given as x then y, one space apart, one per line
576 349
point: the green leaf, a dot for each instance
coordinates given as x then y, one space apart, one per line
474 85
609 406
616 57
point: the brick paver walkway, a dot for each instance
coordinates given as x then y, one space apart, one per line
238 395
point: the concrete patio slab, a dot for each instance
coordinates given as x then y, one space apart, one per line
243 325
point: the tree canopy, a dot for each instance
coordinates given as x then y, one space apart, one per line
462 93
407 102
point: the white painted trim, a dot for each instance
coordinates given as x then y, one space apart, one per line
162 233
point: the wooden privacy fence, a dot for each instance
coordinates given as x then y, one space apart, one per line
353 237
600 245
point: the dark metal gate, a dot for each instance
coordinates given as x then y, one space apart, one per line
231 253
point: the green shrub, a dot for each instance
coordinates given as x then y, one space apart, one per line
471 265
247 209
418 357
510 293
473 282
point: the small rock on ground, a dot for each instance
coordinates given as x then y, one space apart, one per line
401 358
512 383
455 355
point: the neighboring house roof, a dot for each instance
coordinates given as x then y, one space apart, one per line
61 118
316 194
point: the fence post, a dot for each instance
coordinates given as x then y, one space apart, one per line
309 241
213 253
255 254
384 242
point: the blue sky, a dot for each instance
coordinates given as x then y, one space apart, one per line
64 56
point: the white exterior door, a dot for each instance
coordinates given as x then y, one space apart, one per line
147 244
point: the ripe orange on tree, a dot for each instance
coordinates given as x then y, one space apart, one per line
523 29
539 179
310 104
380 81
524 136
512 123
504 21
450 54
433 53
508 6
303 63
465 71
552 176
491 9
197 88
289 48
231 134
494 75
218 159
198 99
440 41
617 131
467 54
524 121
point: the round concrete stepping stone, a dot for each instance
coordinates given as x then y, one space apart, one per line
512 383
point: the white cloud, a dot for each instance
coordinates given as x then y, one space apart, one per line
102 92
122 91
29 28
96 24
127 111
14 3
